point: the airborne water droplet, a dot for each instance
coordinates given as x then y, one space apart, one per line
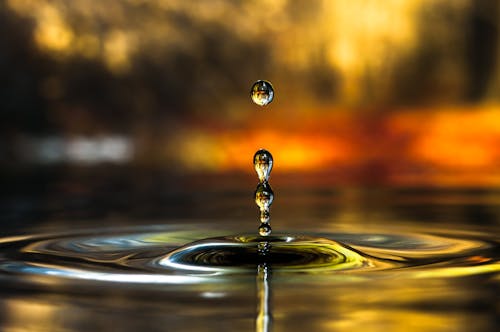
264 195
264 215
263 164
264 229
262 93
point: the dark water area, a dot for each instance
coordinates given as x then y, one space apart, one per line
88 250
54 197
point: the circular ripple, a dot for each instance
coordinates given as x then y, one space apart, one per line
159 254
280 252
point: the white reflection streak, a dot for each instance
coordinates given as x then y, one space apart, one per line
127 278
213 295
99 276
49 150
169 260
264 316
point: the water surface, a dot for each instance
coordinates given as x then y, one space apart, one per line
428 261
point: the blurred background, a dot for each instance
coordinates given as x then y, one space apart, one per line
138 112
107 103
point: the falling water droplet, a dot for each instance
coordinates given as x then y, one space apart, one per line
265 215
262 93
265 229
263 164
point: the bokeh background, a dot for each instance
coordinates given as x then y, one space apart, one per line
135 105
137 113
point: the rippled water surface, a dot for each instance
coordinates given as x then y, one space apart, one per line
182 255
422 262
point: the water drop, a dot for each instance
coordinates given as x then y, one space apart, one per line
262 93
265 229
263 164
265 215
264 195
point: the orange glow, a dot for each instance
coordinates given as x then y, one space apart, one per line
331 63
467 140
233 150
479 259
295 151
416 146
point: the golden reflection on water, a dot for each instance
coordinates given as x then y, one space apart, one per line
406 305
448 289
437 304
28 315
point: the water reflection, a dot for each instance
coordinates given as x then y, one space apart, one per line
264 319
454 291
458 304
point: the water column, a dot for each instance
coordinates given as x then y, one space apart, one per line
263 163
262 93
264 314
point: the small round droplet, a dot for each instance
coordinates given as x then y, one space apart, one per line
265 215
264 195
265 229
262 93
263 164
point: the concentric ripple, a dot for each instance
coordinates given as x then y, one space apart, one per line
167 255
282 253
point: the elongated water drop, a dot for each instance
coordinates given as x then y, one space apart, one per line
263 164
262 92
